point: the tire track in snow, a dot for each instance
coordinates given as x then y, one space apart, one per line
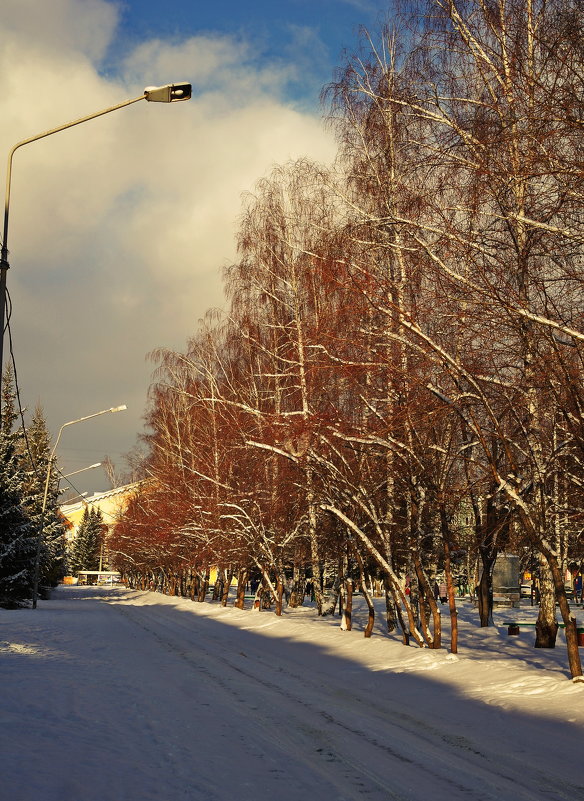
404 755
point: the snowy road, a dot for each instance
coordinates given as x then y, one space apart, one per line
110 694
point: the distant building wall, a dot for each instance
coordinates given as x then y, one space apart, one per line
110 503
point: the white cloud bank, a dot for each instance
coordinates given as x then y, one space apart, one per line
119 228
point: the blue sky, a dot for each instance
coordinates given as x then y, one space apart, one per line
308 35
273 24
120 228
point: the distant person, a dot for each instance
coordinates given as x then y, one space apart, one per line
578 588
443 592
287 589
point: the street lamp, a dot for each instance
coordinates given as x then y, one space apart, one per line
169 93
82 470
74 473
37 561
79 495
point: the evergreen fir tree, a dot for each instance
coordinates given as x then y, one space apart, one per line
18 536
95 539
86 547
75 554
36 459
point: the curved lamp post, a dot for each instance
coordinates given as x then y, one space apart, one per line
82 470
74 498
169 93
74 473
40 537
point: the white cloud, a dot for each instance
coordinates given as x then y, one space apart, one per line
211 62
120 227
84 27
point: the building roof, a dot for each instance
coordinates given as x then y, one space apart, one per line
108 502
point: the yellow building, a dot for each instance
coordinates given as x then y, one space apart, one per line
110 503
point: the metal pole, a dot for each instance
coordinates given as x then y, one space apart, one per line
169 93
41 533
4 265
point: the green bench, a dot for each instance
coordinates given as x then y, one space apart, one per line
513 627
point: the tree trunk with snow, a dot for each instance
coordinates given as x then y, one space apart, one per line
242 577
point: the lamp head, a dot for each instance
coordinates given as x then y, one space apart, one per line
169 93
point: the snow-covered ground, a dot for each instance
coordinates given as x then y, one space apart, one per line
118 695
